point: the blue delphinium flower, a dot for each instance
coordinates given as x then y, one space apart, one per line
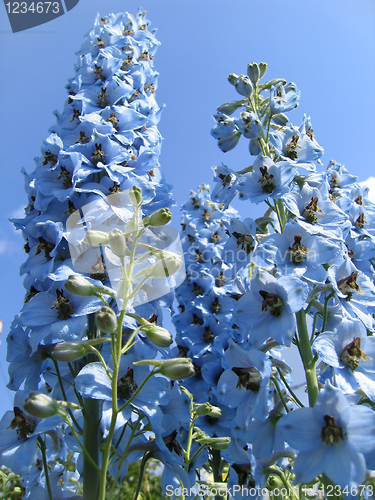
284 98
269 307
267 179
331 438
351 353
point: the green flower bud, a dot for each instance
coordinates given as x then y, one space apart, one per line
117 242
177 368
216 443
230 107
207 409
168 264
157 335
232 78
106 320
280 119
66 351
41 406
78 285
253 72
273 82
159 218
96 238
135 195
262 69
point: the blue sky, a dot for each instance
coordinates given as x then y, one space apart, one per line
326 48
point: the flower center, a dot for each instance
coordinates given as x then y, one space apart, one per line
272 302
126 385
290 148
297 252
249 378
23 423
64 306
268 186
311 210
332 433
245 241
352 354
348 284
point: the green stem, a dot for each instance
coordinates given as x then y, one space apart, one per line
291 392
280 393
145 458
217 469
91 414
42 447
117 352
307 357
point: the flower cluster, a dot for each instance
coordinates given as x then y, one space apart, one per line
100 168
309 263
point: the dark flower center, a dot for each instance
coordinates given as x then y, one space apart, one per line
245 478
172 444
272 302
249 378
98 155
103 98
126 385
332 433
297 252
352 354
216 306
311 210
64 306
245 241
268 186
290 148
24 424
208 336
348 285
360 222
46 246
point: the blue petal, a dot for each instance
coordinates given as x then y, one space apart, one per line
93 382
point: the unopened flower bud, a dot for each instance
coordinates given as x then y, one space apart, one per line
117 242
232 78
168 265
244 86
216 443
40 405
207 409
280 119
78 285
262 69
159 218
66 351
106 320
177 368
253 72
135 195
158 335
229 107
96 238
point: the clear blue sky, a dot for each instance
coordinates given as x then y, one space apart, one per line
325 47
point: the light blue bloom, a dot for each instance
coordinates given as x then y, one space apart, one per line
270 306
284 98
351 353
266 180
331 438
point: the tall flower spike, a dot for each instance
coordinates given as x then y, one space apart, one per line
104 141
